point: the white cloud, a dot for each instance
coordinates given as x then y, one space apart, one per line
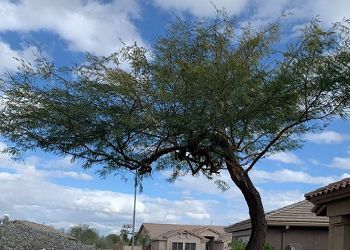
28 168
261 12
273 200
69 174
329 11
201 183
326 137
93 26
202 8
233 199
60 163
38 200
27 193
300 10
287 175
285 157
314 161
4 176
8 55
340 162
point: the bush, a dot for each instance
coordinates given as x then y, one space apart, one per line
241 245
84 233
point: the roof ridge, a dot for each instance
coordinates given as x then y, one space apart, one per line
282 209
186 225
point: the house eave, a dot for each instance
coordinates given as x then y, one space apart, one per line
279 223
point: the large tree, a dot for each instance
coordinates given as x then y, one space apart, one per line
205 99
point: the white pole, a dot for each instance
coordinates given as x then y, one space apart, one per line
134 214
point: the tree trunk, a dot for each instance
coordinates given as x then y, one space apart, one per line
256 209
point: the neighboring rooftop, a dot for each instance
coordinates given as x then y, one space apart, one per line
332 189
158 231
20 234
297 214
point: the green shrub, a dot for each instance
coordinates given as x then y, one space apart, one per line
241 245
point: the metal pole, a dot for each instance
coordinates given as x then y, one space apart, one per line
134 214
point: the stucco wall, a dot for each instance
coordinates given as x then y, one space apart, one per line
184 238
300 238
208 233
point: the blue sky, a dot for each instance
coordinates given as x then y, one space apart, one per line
45 188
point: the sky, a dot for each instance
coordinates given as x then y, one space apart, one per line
47 189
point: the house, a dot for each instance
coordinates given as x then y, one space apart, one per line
292 227
333 201
186 237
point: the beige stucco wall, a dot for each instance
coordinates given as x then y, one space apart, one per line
158 245
339 232
313 238
209 233
339 224
300 238
184 238
218 246
338 207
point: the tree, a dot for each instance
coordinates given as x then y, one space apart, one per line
143 238
241 245
84 233
114 238
205 100
124 236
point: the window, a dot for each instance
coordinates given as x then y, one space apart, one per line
177 246
190 246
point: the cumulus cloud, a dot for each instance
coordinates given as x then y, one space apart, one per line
202 8
8 63
93 26
4 176
261 12
327 137
27 192
299 10
61 163
285 157
201 184
341 163
69 174
273 200
287 175
35 198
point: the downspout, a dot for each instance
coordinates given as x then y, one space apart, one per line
284 237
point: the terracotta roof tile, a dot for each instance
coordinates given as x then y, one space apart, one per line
329 188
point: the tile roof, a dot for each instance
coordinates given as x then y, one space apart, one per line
297 214
156 231
42 228
331 188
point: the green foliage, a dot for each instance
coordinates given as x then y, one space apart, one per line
104 243
90 236
84 233
238 245
143 238
241 245
203 93
124 236
114 238
205 99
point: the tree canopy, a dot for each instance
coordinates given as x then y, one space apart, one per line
84 233
206 98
